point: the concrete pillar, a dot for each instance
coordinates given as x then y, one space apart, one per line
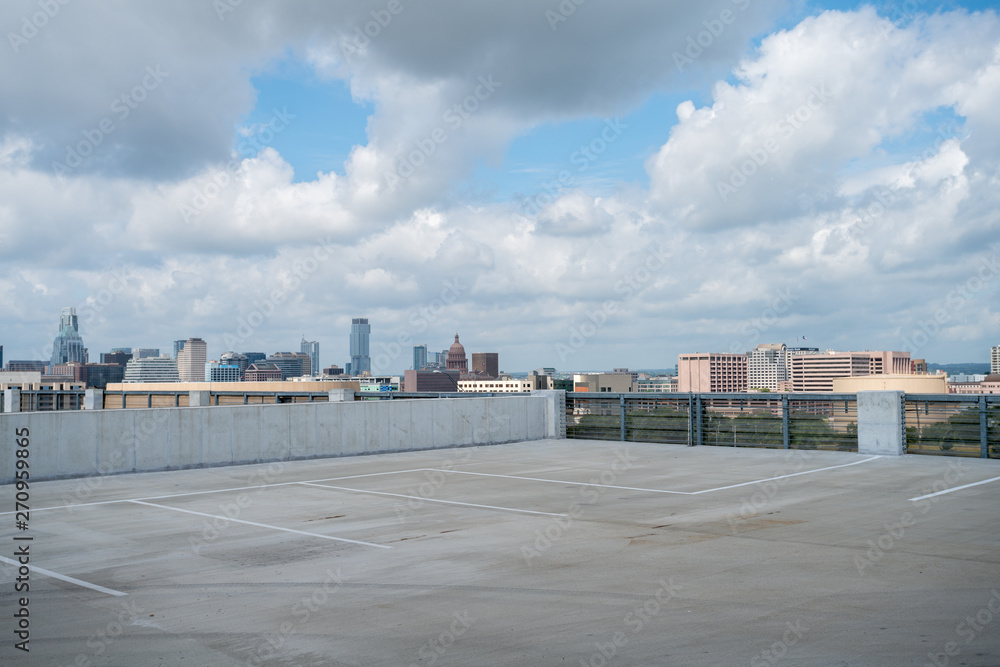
93 399
12 399
199 399
881 428
341 395
555 411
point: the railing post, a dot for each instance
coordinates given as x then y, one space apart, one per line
621 416
700 440
984 434
786 434
690 420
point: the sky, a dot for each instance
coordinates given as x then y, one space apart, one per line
578 184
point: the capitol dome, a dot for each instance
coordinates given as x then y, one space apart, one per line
456 357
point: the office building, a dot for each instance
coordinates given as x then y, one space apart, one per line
151 369
100 375
311 349
292 364
263 371
218 372
73 371
715 372
360 333
331 371
254 357
816 372
497 386
419 357
126 350
68 345
430 381
121 357
26 366
486 365
191 360
663 384
457 361
178 346
995 360
235 359
767 367
596 383
145 352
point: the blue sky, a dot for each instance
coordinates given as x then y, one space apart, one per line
838 150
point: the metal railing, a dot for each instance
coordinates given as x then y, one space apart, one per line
953 425
778 421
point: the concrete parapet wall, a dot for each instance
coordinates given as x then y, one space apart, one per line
881 428
75 443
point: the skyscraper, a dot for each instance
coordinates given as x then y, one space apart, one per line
360 333
995 360
68 346
178 346
419 357
311 348
191 360
486 364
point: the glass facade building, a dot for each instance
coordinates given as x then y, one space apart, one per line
360 333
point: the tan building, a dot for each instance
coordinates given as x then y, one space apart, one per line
816 372
908 382
170 394
615 383
191 360
505 386
989 385
715 372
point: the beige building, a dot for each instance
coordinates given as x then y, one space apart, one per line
816 372
995 360
909 383
505 386
191 360
615 383
715 372
767 366
170 394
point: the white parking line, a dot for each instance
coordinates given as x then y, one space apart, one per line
263 525
63 577
794 474
431 500
957 488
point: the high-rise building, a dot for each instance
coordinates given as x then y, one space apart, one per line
311 348
723 372
995 360
241 361
151 369
119 358
68 346
191 360
100 375
292 364
178 346
145 352
486 365
815 372
254 357
26 366
767 367
126 350
360 334
457 361
419 357
430 381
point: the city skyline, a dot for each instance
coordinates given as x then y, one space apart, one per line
681 184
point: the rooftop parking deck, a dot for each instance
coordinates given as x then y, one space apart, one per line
552 552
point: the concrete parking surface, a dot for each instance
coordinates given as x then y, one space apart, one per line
556 552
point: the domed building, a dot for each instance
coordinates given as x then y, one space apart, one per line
457 361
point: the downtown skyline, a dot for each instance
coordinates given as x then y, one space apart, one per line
572 185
